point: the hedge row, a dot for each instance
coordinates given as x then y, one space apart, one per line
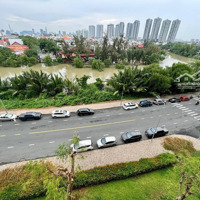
119 171
30 187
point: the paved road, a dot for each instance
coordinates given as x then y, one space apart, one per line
35 139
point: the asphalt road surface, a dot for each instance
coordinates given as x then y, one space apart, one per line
24 140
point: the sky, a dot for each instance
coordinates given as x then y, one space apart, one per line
72 15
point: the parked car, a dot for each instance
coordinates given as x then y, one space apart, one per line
130 106
159 102
174 100
60 113
184 98
145 103
85 111
30 115
106 142
156 132
131 136
83 145
8 117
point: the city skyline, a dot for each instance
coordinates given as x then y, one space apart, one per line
37 14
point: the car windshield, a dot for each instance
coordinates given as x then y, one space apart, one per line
76 146
129 135
9 115
64 111
103 140
153 130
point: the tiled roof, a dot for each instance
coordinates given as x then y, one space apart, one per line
18 47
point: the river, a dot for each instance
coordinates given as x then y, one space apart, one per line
72 72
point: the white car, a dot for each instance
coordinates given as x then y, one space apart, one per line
129 106
83 145
159 102
106 142
60 113
8 117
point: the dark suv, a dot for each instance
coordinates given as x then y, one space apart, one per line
85 111
145 103
156 132
30 115
131 136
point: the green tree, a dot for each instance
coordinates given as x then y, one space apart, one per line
82 82
64 152
104 52
78 62
97 52
31 53
97 64
107 62
47 60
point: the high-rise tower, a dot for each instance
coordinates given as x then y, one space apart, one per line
135 30
173 31
155 29
164 30
147 29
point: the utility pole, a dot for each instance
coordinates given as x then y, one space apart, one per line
4 106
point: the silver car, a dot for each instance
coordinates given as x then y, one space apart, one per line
83 145
60 113
8 117
159 102
106 142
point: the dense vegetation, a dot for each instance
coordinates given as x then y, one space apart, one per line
187 50
35 179
39 89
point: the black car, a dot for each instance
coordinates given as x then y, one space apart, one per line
145 103
156 132
85 111
131 136
30 115
174 100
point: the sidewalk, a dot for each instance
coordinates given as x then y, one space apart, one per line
95 106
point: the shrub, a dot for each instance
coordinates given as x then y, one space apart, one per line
78 62
118 171
47 60
119 66
97 64
107 62
177 145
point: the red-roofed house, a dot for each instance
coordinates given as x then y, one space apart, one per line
140 46
18 48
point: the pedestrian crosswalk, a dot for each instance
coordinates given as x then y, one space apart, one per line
187 111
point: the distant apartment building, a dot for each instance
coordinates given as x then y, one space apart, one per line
117 31
129 30
147 29
91 32
135 30
99 31
164 31
121 28
155 29
85 33
173 30
110 30
79 33
64 33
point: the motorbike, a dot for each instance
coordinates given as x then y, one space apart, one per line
197 103
191 97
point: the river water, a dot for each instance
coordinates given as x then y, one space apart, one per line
72 72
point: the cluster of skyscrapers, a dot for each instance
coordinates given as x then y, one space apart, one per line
153 30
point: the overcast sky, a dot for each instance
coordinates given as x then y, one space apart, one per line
71 15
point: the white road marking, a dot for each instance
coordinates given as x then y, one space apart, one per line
143 110
65 120
49 121
185 108
31 145
108 115
80 118
194 114
10 147
120 114
33 122
105 135
186 120
94 117
121 132
69 139
51 142
190 113
88 137
0 125
175 123
187 111
16 124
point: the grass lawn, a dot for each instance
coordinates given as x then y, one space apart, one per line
150 186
